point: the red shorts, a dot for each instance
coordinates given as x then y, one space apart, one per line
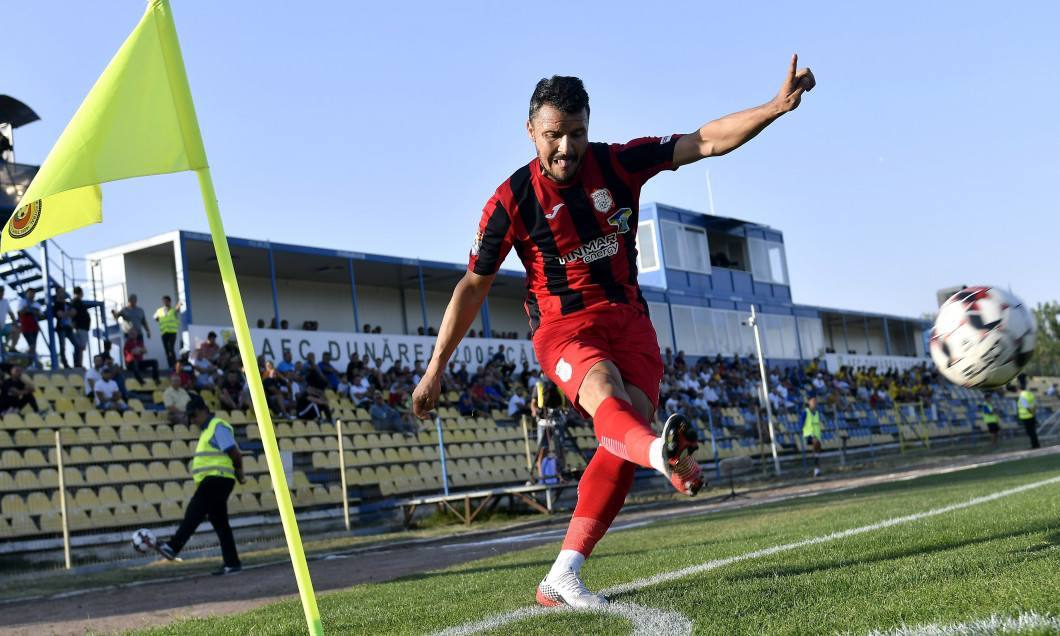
569 346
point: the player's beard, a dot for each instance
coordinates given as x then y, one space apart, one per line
571 172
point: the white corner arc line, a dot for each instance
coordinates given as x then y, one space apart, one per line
646 621
633 586
996 624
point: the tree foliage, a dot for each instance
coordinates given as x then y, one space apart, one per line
1046 360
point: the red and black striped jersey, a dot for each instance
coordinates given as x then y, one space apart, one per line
577 240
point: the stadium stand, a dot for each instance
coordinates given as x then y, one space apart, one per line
122 471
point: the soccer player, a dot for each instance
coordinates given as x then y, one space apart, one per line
571 214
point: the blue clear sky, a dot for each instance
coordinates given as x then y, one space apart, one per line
926 157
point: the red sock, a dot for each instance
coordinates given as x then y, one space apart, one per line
601 493
623 431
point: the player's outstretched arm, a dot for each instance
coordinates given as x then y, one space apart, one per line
467 299
724 135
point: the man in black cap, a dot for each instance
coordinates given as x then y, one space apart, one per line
216 467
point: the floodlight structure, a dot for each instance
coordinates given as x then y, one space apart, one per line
753 321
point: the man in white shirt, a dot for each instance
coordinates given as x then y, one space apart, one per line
10 330
108 396
517 404
175 398
93 375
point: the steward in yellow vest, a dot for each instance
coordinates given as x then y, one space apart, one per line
169 326
990 419
216 468
811 431
1027 411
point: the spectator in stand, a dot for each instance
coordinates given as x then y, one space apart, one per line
82 324
353 366
232 346
313 403
330 373
115 370
205 371
210 346
277 390
16 392
175 399
485 400
233 394
386 418
10 330
168 318
64 324
466 405
343 388
93 375
184 373
360 390
108 395
285 365
29 317
134 356
131 317
517 406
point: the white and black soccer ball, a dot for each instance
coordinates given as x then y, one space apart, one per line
143 540
983 337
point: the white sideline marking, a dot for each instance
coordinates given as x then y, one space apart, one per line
982 627
503 619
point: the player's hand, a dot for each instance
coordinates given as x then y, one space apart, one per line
795 84
425 395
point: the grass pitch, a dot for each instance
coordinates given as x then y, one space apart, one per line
973 551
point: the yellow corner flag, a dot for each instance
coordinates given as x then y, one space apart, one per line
139 120
132 124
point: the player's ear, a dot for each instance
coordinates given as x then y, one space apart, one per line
530 130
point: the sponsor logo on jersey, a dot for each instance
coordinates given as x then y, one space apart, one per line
564 370
555 211
665 139
602 200
602 247
24 220
477 245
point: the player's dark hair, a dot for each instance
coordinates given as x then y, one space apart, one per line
562 92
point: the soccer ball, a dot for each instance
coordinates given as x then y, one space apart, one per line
983 337
143 540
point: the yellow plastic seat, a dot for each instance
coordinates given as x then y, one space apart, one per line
138 472
117 473
170 510
12 504
147 513
131 494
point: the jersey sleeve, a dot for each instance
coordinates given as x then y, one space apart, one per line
646 157
222 438
493 241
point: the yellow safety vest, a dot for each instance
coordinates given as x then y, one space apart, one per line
1028 412
989 415
168 321
210 460
812 425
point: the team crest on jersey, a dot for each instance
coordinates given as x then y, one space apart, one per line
477 245
602 200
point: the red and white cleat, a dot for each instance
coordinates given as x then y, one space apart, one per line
680 441
567 589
